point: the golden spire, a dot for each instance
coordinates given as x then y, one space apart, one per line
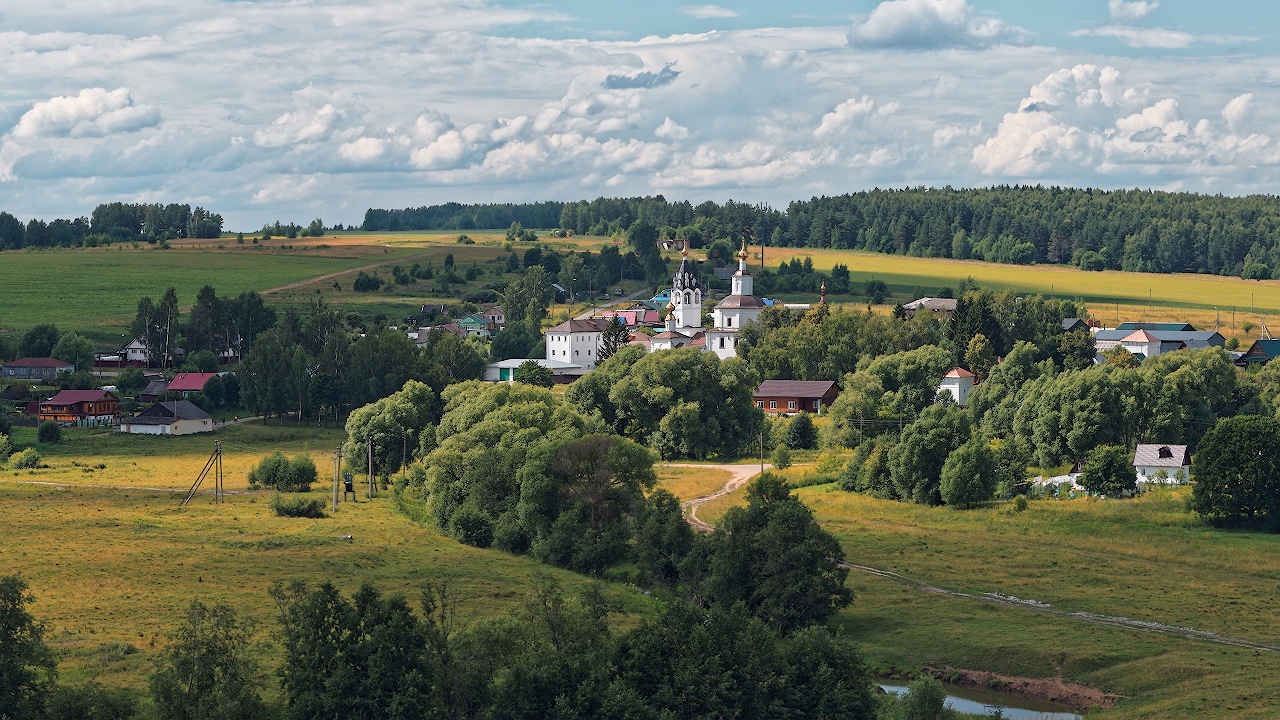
823 289
685 251
742 254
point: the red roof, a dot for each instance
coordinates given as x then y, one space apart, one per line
71 397
190 382
1141 336
39 362
959 373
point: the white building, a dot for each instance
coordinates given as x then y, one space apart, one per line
1141 342
505 370
169 418
958 382
1150 459
737 309
576 342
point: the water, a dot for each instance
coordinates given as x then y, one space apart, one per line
981 702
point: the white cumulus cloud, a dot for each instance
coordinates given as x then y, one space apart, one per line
285 188
1238 111
1130 11
928 24
671 129
1140 37
93 112
708 12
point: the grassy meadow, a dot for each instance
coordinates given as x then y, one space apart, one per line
1147 559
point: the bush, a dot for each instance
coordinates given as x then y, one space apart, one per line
6 448
296 507
800 433
781 457
1020 503
472 526
279 473
50 432
90 701
26 459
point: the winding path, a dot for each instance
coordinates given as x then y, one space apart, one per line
740 474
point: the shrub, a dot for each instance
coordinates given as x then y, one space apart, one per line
50 432
6 448
279 473
1020 503
296 507
90 701
472 526
781 457
26 459
800 433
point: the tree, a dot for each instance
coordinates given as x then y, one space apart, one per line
39 341
1237 471
1078 350
49 432
74 349
773 557
662 538
392 424
514 340
980 357
207 672
531 372
1109 472
969 474
280 473
90 701
615 336
27 665
801 433
917 459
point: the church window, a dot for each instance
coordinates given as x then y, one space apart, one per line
721 343
686 298
728 322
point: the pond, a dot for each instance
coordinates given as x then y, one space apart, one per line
981 702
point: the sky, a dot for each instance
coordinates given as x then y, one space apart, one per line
292 110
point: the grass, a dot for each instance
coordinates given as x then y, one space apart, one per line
687 483
112 567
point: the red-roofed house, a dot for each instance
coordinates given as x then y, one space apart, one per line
1141 342
777 397
190 382
42 369
86 408
958 382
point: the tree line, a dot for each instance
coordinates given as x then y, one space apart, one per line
112 222
1134 230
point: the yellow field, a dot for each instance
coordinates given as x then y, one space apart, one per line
687 483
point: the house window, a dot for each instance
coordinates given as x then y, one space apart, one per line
773 404
721 343
817 404
791 404
760 404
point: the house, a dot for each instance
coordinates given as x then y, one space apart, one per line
43 369
505 370
778 397
576 342
1150 460
1074 324
474 325
496 317
190 383
180 417
153 391
136 352
1142 342
941 307
1169 340
1261 352
85 408
958 382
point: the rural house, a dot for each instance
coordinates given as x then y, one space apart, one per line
576 342
1149 460
153 391
1261 352
958 382
190 383
43 369
505 370
786 397
180 417
941 307
86 408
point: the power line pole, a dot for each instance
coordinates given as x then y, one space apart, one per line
368 441
337 461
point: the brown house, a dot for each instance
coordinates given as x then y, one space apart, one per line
86 408
787 397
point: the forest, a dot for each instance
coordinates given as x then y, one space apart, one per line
1134 230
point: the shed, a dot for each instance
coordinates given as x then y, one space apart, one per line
181 417
153 391
779 397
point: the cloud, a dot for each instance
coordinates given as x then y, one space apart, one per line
1131 11
94 112
931 24
850 113
1238 111
1138 37
646 79
314 116
363 150
671 129
285 188
707 12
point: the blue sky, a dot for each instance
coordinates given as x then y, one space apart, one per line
321 108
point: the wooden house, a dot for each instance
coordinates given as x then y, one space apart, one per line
180 417
43 370
787 397
85 408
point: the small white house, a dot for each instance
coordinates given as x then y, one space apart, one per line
1174 461
181 417
136 351
958 382
1141 342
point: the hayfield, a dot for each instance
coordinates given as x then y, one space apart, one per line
1147 559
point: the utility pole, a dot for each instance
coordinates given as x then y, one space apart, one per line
762 449
404 452
368 441
337 461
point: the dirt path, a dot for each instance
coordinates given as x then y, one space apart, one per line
740 474
332 275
